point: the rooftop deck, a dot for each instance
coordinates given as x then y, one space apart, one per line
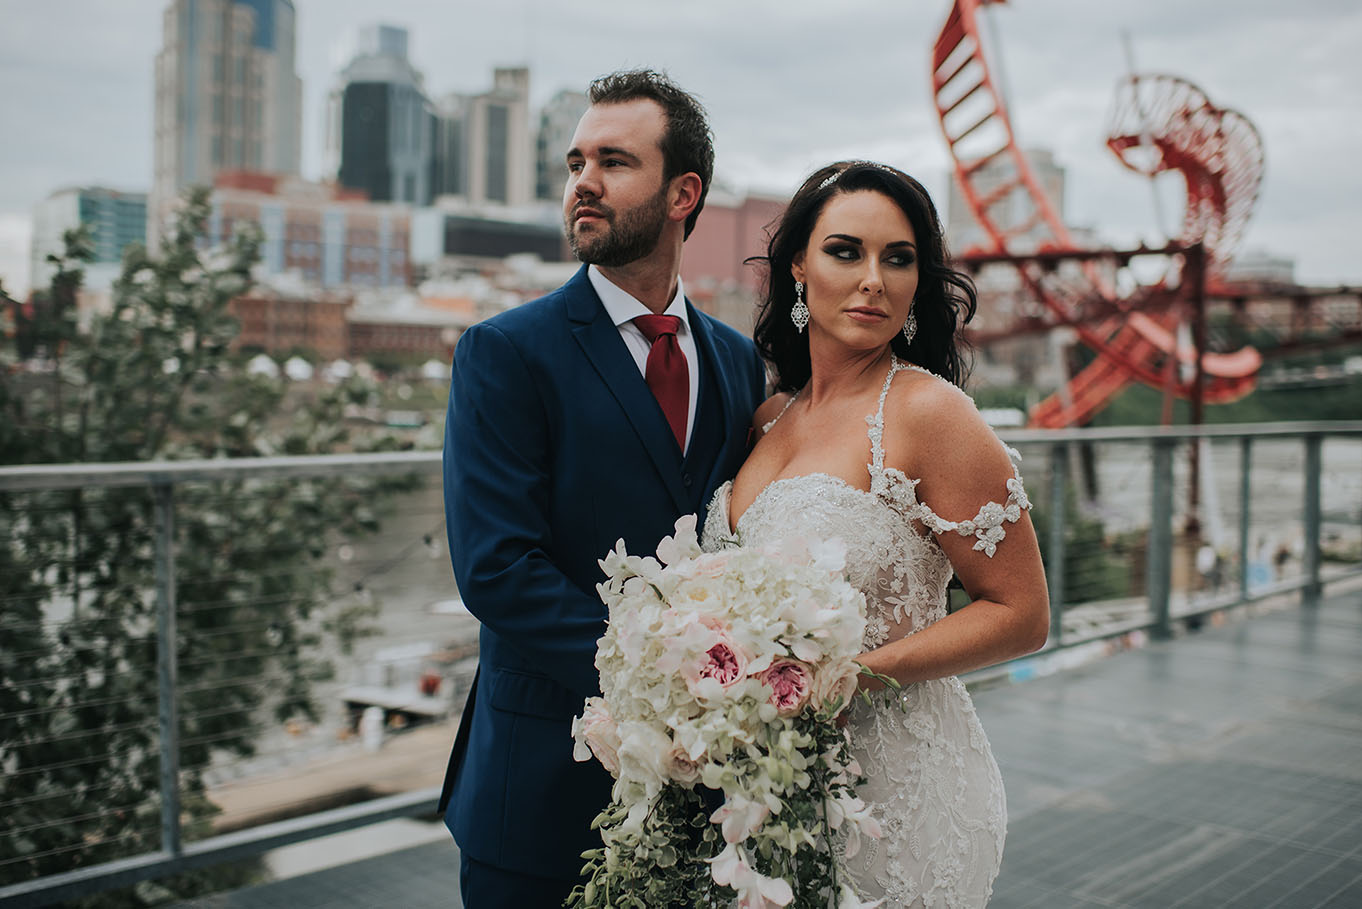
1222 768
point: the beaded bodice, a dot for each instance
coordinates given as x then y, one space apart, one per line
893 557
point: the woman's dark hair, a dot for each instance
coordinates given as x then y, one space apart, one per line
687 144
945 298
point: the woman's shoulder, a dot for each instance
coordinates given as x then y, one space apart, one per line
932 418
920 397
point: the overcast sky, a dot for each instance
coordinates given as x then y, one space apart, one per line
790 85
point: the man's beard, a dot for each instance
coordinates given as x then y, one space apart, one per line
630 235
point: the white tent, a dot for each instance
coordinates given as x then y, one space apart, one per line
298 369
434 371
262 365
337 371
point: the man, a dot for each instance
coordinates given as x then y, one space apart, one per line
604 410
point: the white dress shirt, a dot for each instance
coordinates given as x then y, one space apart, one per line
622 307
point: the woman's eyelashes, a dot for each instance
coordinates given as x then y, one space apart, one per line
848 253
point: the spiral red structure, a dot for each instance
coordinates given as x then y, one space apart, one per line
1175 128
1162 123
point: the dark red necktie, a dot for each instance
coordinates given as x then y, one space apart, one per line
667 373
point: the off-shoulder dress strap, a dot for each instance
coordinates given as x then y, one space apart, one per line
986 526
772 422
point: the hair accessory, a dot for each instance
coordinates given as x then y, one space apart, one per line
799 313
910 326
832 178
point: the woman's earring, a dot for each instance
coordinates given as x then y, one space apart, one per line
799 313
910 326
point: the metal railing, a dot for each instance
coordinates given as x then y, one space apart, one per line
1125 554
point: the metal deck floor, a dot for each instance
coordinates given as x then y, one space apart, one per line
1222 768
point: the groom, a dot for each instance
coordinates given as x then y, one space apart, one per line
604 410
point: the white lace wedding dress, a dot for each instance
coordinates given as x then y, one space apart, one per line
929 770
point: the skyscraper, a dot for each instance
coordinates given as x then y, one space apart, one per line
1014 209
485 153
227 96
380 122
114 219
557 123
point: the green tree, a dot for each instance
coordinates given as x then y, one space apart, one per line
78 699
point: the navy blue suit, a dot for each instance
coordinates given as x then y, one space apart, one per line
554 449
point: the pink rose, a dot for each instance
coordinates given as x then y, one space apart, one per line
595 733
682 769
790 682
725 663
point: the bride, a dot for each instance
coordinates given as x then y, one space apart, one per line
871 440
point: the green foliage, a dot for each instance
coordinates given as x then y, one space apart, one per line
1017 396
78 678
1094 566
667 861
1140 405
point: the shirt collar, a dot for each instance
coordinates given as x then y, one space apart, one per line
623 307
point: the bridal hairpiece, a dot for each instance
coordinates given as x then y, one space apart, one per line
832 178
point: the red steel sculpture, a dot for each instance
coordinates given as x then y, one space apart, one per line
1160 124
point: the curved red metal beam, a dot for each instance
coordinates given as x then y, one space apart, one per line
990 167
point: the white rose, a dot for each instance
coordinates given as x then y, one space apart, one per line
644 755
595 733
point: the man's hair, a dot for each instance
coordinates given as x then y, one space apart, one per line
687 143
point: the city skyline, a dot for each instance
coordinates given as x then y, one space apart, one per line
789 86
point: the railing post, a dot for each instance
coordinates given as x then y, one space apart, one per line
1054 556
1310 594
1245 503
167 667
1159 564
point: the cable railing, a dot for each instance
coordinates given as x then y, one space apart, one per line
204 699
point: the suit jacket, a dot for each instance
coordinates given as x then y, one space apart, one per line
555 448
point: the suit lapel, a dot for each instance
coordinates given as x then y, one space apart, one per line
723 385
601 343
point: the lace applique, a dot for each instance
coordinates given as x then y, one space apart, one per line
987 525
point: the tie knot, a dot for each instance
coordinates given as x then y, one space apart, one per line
652 326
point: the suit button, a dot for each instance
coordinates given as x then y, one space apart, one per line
685 480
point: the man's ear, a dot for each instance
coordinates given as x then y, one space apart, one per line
684 195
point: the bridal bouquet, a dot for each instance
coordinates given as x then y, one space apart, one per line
725 671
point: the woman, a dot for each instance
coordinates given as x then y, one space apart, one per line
871 440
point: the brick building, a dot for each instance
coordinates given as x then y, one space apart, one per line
328 235
278 323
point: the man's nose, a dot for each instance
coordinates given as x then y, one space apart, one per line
588 181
